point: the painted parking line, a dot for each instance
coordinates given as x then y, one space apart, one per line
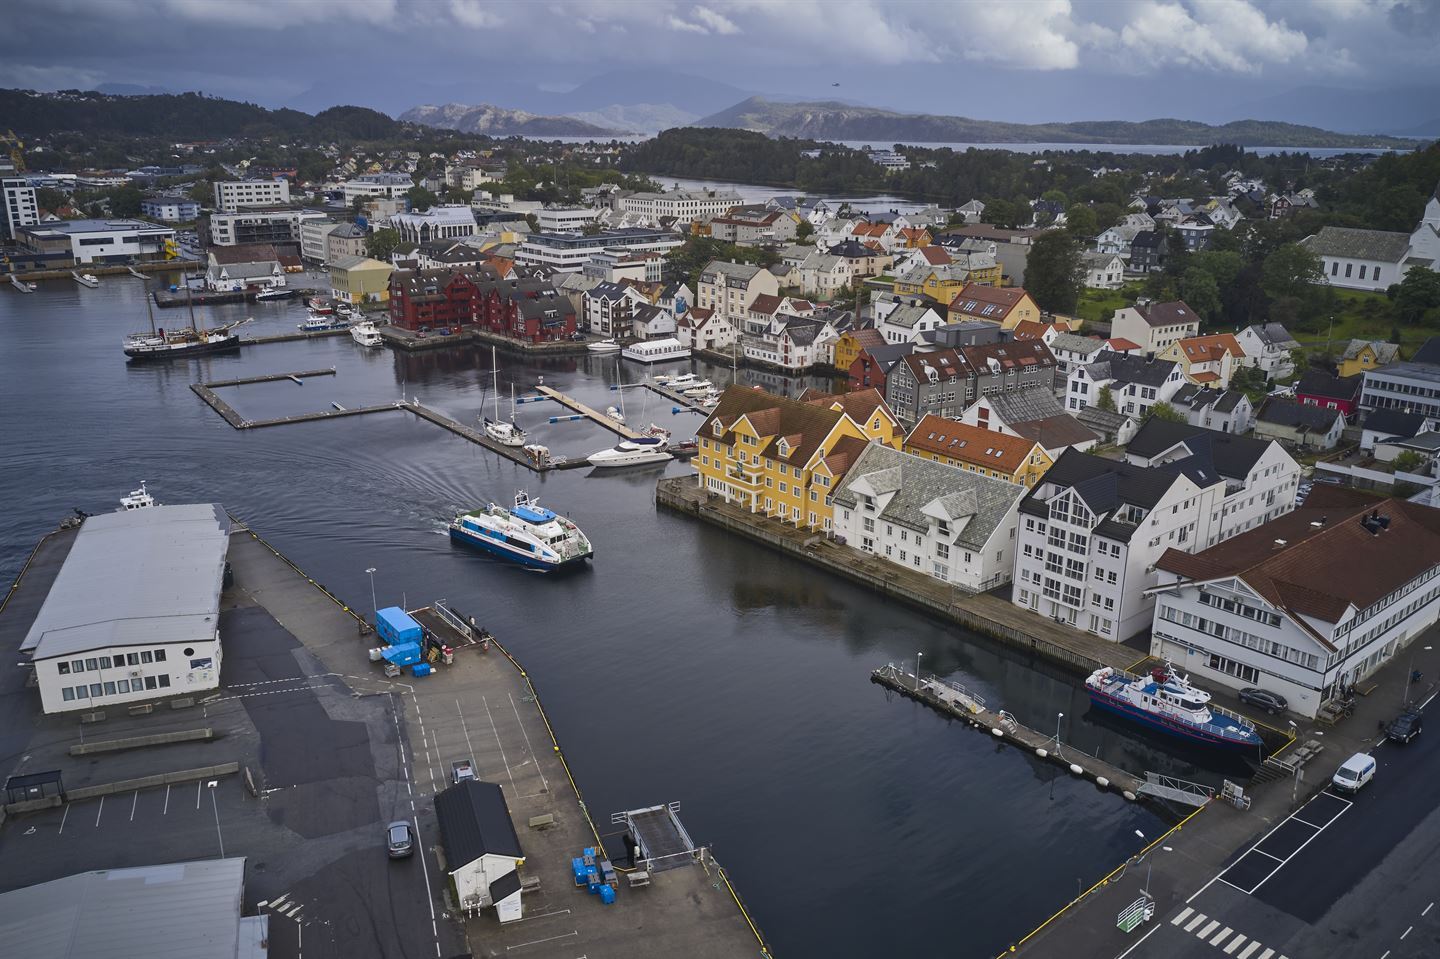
1221 936
1235 943
1182 917
1245 953
1199 918
1253 869
1210 927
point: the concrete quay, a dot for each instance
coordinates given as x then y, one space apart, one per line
486 708
159 266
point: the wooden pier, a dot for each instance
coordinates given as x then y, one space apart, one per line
956 701
598 418
227 412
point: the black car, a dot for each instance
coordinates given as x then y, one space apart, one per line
1272 703
1404 727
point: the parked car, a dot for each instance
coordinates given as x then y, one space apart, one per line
1272 703
462 770
1355 772
444 331
399 840
1404 727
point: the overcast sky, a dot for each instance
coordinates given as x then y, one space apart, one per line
1027 60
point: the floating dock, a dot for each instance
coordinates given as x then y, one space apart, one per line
21 285
598 418
269 378
678 398
291 337
954 700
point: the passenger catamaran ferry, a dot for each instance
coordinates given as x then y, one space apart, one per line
528 534
1166 701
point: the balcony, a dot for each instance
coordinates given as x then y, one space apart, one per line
746 475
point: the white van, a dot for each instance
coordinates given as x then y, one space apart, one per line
1355 772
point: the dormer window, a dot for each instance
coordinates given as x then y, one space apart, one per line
717 428
783 447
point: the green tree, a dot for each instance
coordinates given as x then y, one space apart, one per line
1251 381
1081 221
382 243
1055 196
1106 399
1417 294
1107 215
420 198
1301 361
1199 289
125 201
1053 272
1164 411
48 198
1408 461
1291 272
202 193
804 230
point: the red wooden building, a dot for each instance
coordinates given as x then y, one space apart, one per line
527 308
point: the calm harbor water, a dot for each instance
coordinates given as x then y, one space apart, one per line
684 664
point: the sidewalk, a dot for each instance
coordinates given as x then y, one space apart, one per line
1202 845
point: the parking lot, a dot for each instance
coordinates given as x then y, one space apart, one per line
328 762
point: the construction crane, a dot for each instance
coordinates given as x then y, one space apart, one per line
13 145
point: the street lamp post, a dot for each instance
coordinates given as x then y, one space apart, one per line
917 671
374 606
1410 674
1058 717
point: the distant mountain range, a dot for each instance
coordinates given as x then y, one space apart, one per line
830 120
183 116
499 122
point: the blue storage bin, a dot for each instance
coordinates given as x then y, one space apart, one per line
607 895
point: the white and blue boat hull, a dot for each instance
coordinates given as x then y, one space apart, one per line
1219 734
509 553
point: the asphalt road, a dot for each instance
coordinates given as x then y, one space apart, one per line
1344 876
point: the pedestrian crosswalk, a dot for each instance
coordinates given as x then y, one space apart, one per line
1234 944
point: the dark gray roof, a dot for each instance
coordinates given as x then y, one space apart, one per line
1171 313
1321 383
142 576
1200 397
1025 406
475 821
1233 457
1281 411
1129 368
1105 485
1384 352
1274 334
922 485
1353 244
1429 352
1104 422
1392 422
188 910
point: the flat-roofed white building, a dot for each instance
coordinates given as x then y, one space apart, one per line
231 195
134 613
389 185
564 219
98 241
683 205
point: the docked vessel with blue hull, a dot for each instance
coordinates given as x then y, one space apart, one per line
1164 700
527 534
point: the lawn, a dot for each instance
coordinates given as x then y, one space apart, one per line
1098 306
1361 315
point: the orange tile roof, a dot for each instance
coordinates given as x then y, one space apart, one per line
936 255
1205 349
1119 344
1205 377
974 297
970 444
772 417
859 405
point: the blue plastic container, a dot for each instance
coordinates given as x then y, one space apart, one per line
421 669
607 895
396 626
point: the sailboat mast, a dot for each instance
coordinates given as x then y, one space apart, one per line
190 302
149 309
495 380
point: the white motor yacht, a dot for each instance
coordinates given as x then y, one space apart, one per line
634 452
366 334
604 346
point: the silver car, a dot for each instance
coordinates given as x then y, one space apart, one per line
399 839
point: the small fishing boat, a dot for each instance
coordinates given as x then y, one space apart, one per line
275 293
613 413
319 323
604 346
86 279
138 499
321 305
679 382
527 534
1166 701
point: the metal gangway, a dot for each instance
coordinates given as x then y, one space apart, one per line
1176 790
661 839
454 620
